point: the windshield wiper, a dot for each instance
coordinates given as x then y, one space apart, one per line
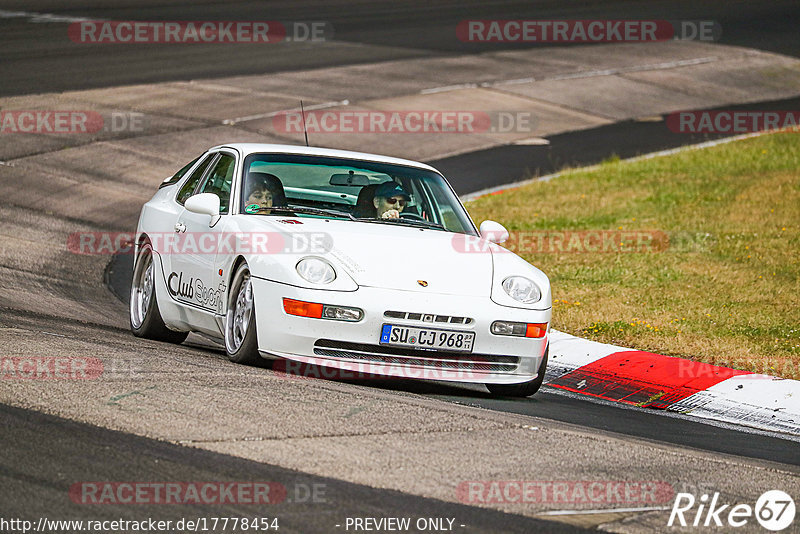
307 209
409 222
335 213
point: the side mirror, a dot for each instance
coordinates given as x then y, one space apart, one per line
494 232
204 204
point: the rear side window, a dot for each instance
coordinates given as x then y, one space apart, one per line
188 188
178 175
220 179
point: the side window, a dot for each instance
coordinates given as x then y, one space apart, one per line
443 209
220 179
188 188
178 175
419 200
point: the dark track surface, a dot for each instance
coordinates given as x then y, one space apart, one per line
39 57
36 477
511 163
567 408
630 421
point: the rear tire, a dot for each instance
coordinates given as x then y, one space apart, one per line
241 336
145 317
526 389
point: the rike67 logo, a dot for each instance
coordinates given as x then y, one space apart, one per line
774 510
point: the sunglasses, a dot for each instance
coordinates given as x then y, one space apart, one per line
394 200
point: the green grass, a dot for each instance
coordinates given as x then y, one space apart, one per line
726 288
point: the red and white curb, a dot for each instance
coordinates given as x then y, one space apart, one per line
652 380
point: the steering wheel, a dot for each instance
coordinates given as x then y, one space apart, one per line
404 215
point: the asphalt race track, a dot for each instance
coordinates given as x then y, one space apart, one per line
34 479
368 32
377 448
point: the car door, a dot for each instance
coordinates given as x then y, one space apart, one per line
172 242
193 280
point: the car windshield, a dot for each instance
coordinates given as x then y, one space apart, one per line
364 191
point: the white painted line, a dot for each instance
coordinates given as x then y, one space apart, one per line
673 64
518 81
547 177
607 511
446 88
637 68
53 334
313 107
42 17
574 75
14 14
585 74
535 141
698 146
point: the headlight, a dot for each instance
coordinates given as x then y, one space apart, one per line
316 271
508 328
521 289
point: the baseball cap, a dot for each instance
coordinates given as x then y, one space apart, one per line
391 189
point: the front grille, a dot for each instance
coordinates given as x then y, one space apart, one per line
427 317
343 350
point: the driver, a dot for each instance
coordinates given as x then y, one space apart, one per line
390 199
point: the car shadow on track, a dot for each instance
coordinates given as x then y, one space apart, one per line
432 388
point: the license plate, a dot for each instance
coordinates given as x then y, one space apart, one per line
427 338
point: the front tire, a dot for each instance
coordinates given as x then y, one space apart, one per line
241 337
526 389
145 317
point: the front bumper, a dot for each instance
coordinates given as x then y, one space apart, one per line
353 347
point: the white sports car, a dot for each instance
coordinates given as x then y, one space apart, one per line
338 260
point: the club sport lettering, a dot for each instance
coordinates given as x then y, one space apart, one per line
177 288
196 291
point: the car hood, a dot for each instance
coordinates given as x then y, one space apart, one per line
391 256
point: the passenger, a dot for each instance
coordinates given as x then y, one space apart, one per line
263 191
390 199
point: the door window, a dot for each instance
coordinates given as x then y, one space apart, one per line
220 179
188 188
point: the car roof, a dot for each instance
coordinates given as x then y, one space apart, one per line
252 148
